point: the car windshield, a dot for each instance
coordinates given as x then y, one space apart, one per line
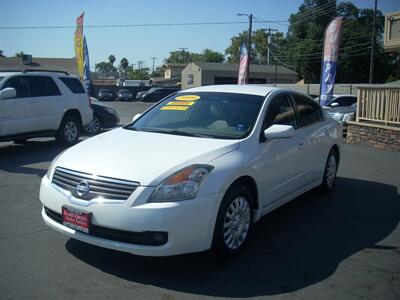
1 78
123 91
105 91
204 114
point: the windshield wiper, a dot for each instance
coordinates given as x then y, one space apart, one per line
175 132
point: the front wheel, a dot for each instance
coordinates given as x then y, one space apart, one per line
330 171
234 222
68 133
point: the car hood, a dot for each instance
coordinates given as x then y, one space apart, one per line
145 157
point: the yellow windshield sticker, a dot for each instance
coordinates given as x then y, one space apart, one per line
188 98
174 107
186 103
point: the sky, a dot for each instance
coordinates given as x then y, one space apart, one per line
139 43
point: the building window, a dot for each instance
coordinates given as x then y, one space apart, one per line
190 79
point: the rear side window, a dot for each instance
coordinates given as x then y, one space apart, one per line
73 84
308 112
43 86
345 101
21 85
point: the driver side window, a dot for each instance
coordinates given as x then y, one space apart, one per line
281 112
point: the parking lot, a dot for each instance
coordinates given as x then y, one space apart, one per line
342 245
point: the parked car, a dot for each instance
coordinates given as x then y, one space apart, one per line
105 95
124 95
194 172
156 94
42 104
104 116
342 108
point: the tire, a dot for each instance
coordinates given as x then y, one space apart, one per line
95 126
234 222
20 141
330 171
68 133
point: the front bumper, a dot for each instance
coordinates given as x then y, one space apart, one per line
189 224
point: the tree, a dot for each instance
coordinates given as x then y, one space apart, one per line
105 67
136 74
302 46
19 54
2 53
124 63
207 55
111 59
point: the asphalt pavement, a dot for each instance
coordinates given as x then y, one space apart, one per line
342 245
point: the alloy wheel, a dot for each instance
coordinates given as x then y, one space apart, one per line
236 223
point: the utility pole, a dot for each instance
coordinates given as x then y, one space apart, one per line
140 64
249 44
153 58
371 63
183 50
269 43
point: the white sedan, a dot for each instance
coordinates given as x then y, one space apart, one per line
194 172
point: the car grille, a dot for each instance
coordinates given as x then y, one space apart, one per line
96 186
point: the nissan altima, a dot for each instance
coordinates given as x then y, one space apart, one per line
194 172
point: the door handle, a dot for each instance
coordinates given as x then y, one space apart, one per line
300 146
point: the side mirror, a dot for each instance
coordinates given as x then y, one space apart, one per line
279 132
8 93
135 117
334 104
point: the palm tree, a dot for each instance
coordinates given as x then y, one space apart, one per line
111 59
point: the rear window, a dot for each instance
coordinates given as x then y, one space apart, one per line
73 84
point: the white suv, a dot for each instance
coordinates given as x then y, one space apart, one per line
42 103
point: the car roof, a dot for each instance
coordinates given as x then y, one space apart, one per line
47 73
252 89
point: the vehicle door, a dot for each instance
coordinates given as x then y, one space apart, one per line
18 113
281 162
48 99
313 138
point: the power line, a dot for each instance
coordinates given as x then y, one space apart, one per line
316 9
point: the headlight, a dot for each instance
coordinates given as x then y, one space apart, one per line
348 117
50 169
337 116
182 185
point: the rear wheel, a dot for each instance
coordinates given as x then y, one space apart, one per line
330 171
68 133
234 222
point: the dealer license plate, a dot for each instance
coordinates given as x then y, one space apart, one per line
76 219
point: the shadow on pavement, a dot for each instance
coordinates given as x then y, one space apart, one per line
17 158
296 246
